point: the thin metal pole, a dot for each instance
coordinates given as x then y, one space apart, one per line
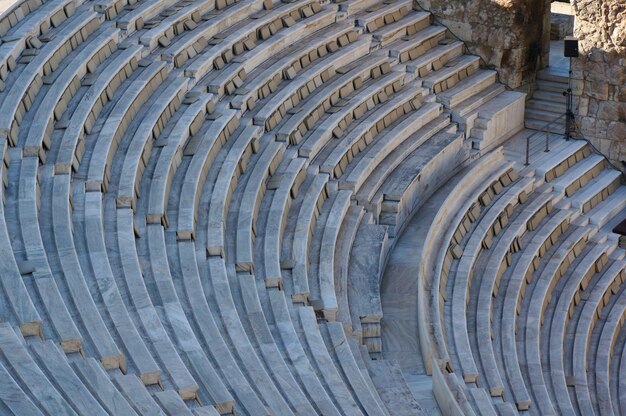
569 113
547 140
527 151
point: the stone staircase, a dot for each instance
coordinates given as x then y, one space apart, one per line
548 102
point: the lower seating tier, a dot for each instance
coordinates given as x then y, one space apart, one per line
205 209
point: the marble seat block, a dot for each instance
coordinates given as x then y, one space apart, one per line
279 209
29 82
172 153
72 142
408 25
139 150
235 163
117 123
14 397
22 364
246 220
271 109
61 91
203 151
327 302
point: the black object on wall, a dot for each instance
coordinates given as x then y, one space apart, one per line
570 47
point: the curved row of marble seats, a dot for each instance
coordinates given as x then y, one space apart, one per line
74 280
556 264
275 393
60 373
591 310
308 81
522 403
455 70
347 235
492 213
516 288
15 13
619 401
605 400
405 102
246 293
178 356
449 387
508 323
194 368
63 87
403 189
21 96
128 227
141 13
352 105
380 158
253 192
344 358
111 8
210 385
241 275
382 14
118 120
184 131
22 248
32 19
203 150
13 399
288 176
286 184
352 7
201 307
352 77
313 337
408 25
171 27
244 395
321 274
224 81
593 262
496 268
489 216
598 190
235 163
192 42
295 256
287 63
90 206
18 307
17 360
100 91
58 202
337 398
242 36
134 276
541 241
49 382
150 135
411 47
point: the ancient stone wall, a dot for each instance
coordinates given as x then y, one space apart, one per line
508 35
599 75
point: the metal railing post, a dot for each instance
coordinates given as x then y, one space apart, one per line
527 151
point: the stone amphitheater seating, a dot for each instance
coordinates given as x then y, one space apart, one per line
200 201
